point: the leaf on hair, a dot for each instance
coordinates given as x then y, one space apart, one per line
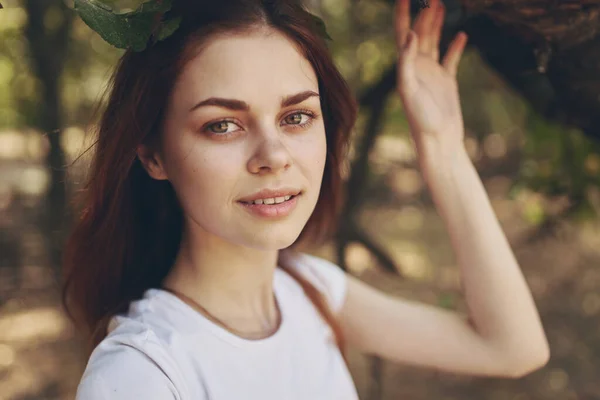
167 28
130 30
320 26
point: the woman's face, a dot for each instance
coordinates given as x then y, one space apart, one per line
268 134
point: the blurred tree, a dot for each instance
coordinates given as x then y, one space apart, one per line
548 51
47 33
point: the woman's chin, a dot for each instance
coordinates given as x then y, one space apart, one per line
274 240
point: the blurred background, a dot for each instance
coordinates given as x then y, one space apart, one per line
530 91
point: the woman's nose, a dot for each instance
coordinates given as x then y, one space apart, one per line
270 155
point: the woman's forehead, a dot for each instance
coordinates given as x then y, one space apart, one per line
251 65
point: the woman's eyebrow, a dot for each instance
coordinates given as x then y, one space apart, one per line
239 105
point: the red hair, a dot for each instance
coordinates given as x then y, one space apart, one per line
130 226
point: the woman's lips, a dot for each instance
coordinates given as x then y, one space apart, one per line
272 210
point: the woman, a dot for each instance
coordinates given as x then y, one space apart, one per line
218 161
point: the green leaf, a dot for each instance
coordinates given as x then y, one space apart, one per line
124 30
320 26
167 28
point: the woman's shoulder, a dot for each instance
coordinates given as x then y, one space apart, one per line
136 359
130 362
325 275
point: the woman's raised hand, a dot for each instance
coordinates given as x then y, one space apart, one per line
428 88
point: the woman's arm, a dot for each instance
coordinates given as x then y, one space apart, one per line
504 335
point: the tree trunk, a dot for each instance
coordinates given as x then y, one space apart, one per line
548 50
48 49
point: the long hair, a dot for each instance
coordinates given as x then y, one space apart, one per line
129 230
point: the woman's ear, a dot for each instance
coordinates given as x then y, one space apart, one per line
152 162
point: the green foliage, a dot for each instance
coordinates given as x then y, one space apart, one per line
559 161
133 30
168 28
128 30
320 27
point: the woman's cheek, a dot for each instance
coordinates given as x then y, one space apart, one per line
315 154
215 170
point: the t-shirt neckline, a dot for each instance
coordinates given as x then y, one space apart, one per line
224 334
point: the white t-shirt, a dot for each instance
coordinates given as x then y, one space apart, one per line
164 349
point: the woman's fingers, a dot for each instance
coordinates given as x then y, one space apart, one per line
427 25
438 24
407 82
454 53
424 27
402 16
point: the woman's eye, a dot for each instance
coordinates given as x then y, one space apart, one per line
297 119
219 127
294 118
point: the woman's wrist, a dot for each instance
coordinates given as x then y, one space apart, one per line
439 158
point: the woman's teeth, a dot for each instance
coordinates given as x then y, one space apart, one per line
272 200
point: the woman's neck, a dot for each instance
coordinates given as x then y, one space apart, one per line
233 283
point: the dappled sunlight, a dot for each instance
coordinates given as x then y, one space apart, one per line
20 382
22 160
557 379
392 150
531 206
13 145
38 146
405 182
592 164
43 323
12 18
6 71
410 218
368 52
359 259
391 223
337 8
34 180
94 85
74 141
26 145
412 260
589 234
7 356
37 374
495 146
473 149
